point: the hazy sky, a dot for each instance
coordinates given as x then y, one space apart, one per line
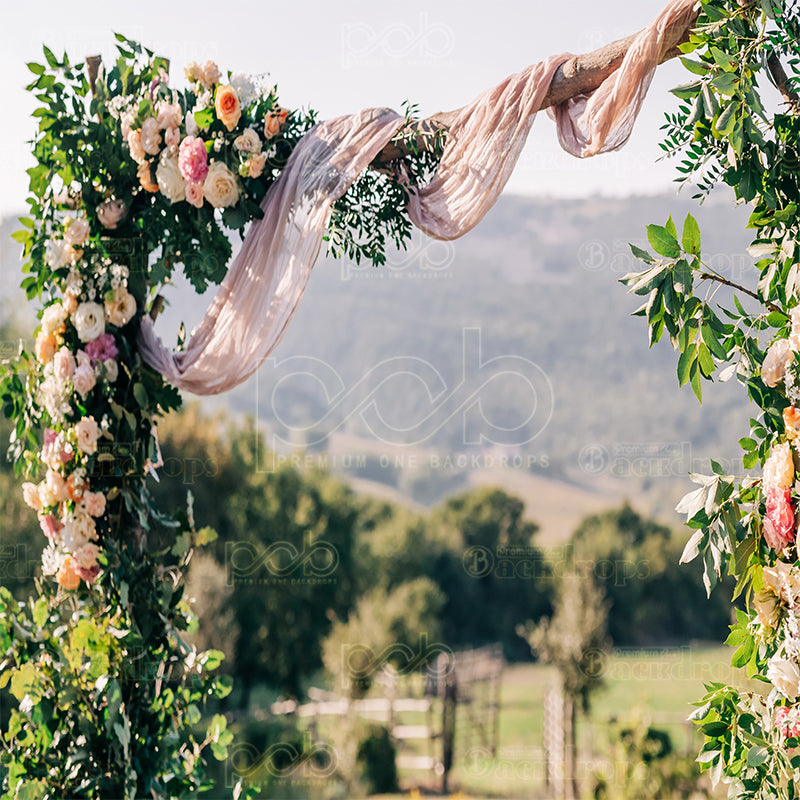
341 56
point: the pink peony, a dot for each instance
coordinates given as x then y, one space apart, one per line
193 160
779 519
102 348
51 527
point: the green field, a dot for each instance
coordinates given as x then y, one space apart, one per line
656 685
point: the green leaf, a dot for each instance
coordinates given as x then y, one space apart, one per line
691 235
642 255
682 278
756 756
685 362
140 394
663 242
695 67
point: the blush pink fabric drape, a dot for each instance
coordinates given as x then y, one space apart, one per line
266 280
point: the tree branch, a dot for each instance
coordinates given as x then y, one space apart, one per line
782 82
578 75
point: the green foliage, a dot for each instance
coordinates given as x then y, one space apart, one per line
727 136
376 754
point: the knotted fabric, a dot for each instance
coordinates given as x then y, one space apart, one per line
266 280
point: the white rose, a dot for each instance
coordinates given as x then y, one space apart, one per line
121 310
784 676
78 530
244 86
220 188
248 142
56 253
77 232
169 179
86 432
189 121
89 320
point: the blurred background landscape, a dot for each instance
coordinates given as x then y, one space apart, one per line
442 454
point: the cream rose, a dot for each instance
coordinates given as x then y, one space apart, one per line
778 357
169 179
208 74
84 380
77 232
78 530
86 432
121 309
784 675
779 467
89 320
53 319
111 369
248 142
220 187
151 137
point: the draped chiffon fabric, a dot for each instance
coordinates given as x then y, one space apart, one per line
266 280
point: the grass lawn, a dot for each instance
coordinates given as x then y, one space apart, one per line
657 685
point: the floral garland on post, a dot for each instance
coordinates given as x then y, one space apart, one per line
745 525
132 178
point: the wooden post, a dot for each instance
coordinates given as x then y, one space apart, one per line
448 726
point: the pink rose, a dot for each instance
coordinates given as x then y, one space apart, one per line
87 432
151 138
779 519
193 160
88 575
95 503
194 194
111 212
86 556
84 380
256 164
169 116
172 136
51 527
64 364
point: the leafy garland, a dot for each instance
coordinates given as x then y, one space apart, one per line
132 179
745 525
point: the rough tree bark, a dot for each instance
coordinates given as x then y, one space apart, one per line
578 75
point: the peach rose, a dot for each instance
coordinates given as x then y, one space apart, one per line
135 144
30 493
248 142
76 486
68 576
227 106
53 318
46 346
57 486
208 74
791 421
87 432
275 122
255 165
146 178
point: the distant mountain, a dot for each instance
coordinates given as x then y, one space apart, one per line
512 348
